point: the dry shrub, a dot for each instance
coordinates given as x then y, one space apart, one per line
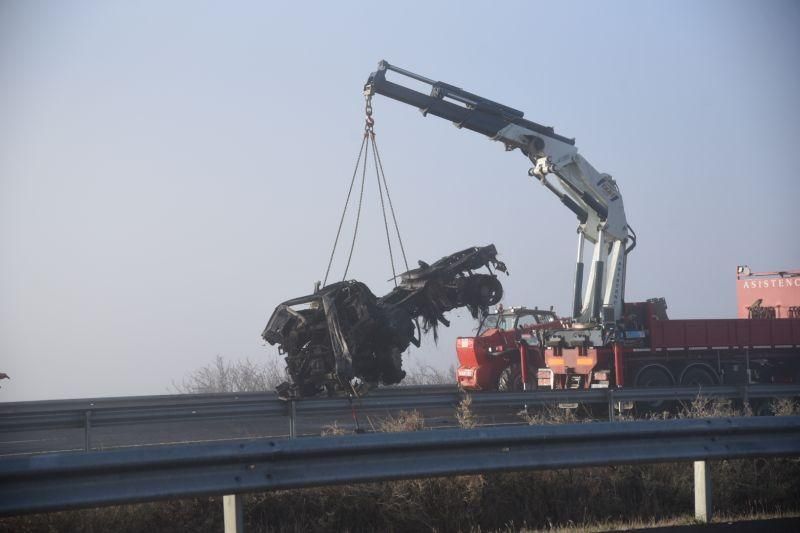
404 421
466 418
422 374
333 430
785 407
241 375
195 514
438 504
704 407
756 485
550 414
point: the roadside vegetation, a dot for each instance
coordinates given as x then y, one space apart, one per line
242 375
246 375
585 499
421 374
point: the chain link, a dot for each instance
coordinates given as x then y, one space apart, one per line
370 122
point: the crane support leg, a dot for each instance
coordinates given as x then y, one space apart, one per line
597 303
619 368
523 364
577 299
599 275
595 282
614 294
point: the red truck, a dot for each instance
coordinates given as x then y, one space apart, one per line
647 350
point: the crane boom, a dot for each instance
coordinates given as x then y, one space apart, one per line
593 197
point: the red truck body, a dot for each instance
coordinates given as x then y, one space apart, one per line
648 350
484 359
724 334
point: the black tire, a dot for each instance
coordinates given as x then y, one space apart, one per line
656 377
491 291
698 376
510 379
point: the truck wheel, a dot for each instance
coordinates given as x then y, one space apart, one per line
510 379
656 377
698 376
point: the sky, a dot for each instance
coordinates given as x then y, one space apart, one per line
171 171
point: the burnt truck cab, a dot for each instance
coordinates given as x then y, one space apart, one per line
491 359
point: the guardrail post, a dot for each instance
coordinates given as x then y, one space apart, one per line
87 430
233 515
292 419
702 492
746 396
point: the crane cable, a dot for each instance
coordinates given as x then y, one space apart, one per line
344 211
389 198
368 141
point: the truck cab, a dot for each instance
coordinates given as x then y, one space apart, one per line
491 359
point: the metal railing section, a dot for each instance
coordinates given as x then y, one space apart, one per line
106 412
64 481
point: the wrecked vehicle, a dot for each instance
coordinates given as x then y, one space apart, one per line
343 338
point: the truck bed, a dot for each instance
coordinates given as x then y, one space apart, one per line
724 333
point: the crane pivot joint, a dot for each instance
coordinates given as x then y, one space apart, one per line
542 167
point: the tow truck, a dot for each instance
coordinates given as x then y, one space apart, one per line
606 342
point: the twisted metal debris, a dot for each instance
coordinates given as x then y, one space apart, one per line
343 338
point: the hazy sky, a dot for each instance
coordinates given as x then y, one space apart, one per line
171 171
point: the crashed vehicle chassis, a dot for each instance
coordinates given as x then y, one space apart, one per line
344 339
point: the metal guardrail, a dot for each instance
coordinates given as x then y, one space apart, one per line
104 412
56 414
63 481
177 400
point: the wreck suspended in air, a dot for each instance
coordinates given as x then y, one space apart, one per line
343 336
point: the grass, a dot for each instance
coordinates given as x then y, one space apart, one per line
682 520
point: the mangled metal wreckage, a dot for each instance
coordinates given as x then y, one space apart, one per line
343 338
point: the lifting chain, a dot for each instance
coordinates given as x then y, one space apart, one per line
370 122
368 141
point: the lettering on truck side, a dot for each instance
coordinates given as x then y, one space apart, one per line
763 284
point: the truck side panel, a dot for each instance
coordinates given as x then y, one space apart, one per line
712 333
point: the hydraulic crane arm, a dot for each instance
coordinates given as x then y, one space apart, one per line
465 109
593 197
